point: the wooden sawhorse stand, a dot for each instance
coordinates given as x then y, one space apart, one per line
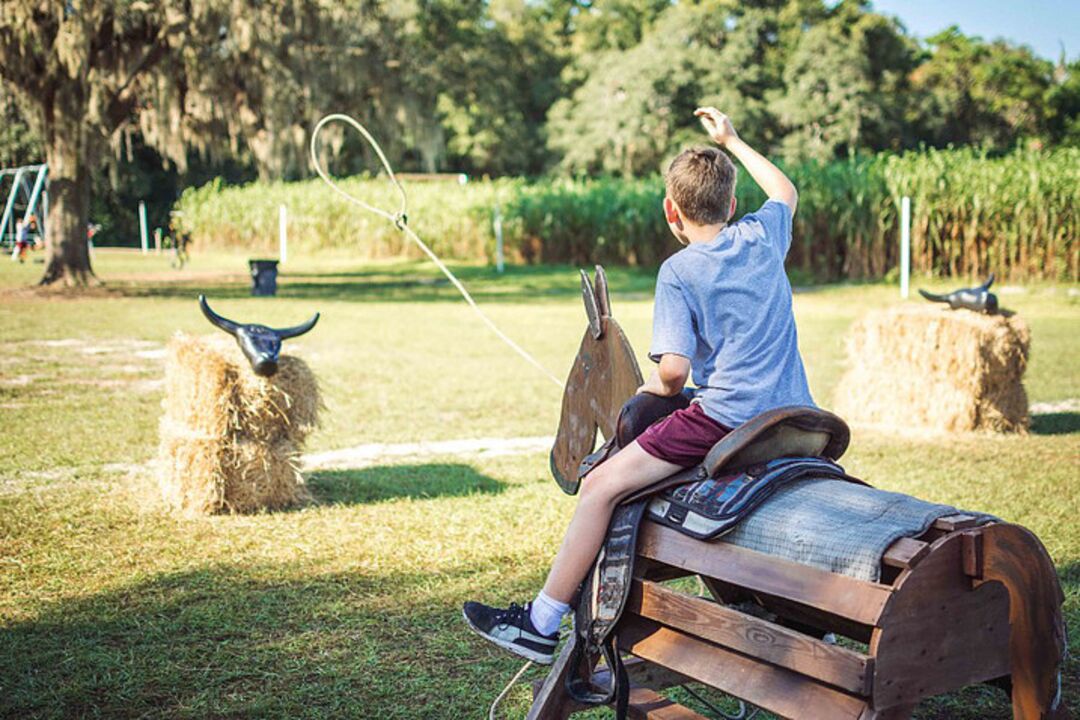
960 605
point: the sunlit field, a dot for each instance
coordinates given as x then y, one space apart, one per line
350 607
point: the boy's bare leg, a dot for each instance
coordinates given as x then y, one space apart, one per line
628 470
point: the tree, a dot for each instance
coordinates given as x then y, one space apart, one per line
845 86
988 94
1063 103
18 144
497 80
75 70
636 107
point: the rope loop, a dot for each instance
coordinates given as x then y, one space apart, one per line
400 220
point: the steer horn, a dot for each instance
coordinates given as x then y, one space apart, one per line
977 299
261 345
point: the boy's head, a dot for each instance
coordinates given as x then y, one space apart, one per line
700 185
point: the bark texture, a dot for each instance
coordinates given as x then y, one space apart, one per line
68 153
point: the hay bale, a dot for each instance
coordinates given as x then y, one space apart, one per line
931 368
229 439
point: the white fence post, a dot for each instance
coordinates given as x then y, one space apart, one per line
283 236
142 228
905 245
157 240
499 259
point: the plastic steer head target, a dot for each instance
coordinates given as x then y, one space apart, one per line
261 345
976 299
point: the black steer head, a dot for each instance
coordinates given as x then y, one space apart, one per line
976 299
260 344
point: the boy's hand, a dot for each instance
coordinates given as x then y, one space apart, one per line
669 377
653 385
717 125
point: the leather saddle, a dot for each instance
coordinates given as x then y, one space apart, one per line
743 456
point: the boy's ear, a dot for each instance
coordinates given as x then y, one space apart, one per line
734 203
671 211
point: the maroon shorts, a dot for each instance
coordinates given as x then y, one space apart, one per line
682 438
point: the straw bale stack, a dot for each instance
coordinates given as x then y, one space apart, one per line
229 439
931 368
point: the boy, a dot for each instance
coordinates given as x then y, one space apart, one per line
723 314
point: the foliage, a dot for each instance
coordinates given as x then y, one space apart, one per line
455 220
81 72
807 80
989 94
636 106
1017 215
845 85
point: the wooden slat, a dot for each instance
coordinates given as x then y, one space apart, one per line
905 553
775 689
834 593
753 636
952 523
787 611
972 553
646 704
551 702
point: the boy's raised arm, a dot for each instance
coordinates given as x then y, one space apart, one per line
769 177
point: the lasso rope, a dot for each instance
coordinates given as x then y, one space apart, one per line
400 221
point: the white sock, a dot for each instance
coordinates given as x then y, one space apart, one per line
546 614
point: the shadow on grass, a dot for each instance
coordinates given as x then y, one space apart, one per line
253 641
1059 423
390 482
245 640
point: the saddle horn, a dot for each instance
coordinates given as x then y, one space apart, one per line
989 281
222 322
592 307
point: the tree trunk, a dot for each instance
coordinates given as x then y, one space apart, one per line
66 245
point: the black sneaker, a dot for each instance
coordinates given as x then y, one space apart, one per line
511 629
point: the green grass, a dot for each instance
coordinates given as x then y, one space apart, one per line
110 607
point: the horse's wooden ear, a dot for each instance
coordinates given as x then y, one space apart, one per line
592 308
603 298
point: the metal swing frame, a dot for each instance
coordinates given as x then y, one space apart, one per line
35 193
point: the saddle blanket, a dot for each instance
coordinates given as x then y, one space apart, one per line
710 507
836 525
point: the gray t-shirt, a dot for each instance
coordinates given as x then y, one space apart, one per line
726 305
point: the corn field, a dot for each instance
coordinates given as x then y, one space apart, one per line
1017 215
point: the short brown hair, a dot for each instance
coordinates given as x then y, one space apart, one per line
701 181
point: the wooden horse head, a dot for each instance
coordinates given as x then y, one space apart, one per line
605 374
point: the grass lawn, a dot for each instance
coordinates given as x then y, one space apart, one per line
110 607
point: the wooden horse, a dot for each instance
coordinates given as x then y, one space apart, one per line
968 601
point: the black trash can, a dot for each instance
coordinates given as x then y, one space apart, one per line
263 277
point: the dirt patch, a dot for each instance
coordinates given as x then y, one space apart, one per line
19 380
59 294
369 454
1060 406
